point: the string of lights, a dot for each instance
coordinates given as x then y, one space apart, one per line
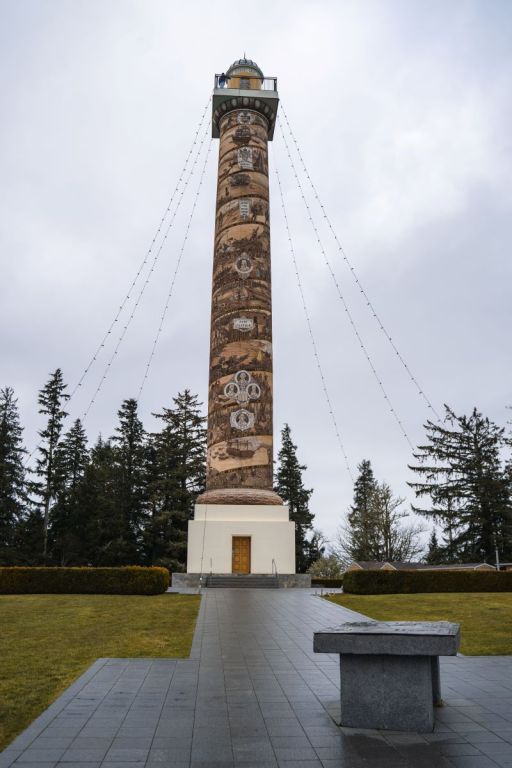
176 269
340 293
355 276
122 335
308 322
147 255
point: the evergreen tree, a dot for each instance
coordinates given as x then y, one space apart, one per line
461 471
361 534
434 554
177 476
130 491
51 401
12 475
71 459
288 484
100 525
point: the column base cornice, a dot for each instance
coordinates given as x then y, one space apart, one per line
239 496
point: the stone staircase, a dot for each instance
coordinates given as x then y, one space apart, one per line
242 580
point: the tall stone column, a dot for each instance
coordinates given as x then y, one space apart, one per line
241 527
240 451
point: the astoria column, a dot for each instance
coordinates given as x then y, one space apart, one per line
240 525
240 450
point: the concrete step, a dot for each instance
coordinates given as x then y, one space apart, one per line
239 580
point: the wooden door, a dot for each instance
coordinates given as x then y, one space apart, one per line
241 554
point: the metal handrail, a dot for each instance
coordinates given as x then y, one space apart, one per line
267 83
274 565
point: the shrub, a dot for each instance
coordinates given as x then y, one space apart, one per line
395 582
326 582
326 567
130 580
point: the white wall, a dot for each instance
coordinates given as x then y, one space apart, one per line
210 538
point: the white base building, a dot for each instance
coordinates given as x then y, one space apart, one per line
241 538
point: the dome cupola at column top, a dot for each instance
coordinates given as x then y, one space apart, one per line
242 66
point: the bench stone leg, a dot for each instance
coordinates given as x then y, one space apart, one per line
436 682
388 692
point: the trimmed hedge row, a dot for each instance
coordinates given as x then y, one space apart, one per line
321 581
396 582
130 580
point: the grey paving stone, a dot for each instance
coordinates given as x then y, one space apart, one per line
169 756
291 753
299 764
130 764
459 749
8 756
472 761
41 755
90 754
78 765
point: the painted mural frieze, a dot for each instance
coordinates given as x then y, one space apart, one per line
239 180
240 392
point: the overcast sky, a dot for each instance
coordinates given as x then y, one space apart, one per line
402 109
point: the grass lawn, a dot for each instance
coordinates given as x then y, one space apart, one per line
485 618
47 641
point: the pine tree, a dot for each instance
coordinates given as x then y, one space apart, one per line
178 473
71 459
462 473
361 533
434 554
100 525
51 401
289 485
130 491
12 475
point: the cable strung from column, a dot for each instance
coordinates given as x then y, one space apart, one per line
308 322
340 294
146 257
148 277
349 264
178 262
143 263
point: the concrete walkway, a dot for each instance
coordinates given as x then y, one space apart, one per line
253 694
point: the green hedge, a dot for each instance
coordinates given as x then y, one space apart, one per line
130 580
321 581
396 582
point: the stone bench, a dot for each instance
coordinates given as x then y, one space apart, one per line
389 670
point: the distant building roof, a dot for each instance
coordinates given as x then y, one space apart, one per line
458 567
377 565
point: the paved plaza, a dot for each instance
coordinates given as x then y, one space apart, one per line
253 694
